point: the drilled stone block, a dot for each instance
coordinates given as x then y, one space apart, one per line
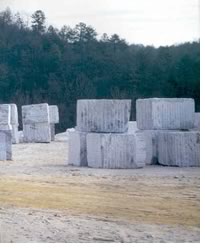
5 145
37 132
165 113
36 113
77 148
116 151
103 115
179 148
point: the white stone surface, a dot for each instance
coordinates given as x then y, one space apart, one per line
54 114
132 127
77 149
37 132
15 135
165 113
116 151
36 113
5 114
5 145
103 115
14 114
197 121
179 148
20 135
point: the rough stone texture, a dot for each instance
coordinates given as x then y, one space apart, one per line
5 145
36 113
197 121
109 116
15 135
151 138
37 132
132 127
179 148
14 123
5 127
14 114
54 115
5 114
165 113
114 151
52 127
77 148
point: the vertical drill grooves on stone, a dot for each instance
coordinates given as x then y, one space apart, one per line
107 116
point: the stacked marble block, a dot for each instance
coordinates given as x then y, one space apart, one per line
101 138
5 132
54 119
36 123
168 125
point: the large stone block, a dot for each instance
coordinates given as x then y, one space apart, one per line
54 115
37 132
178 148
77 149
116 151
165 113
36 113
5 145
5 114
103 115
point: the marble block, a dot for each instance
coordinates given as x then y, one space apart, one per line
5 145
5 114
77 148
179 148
109 116
37 133
116 151
36 113
165 113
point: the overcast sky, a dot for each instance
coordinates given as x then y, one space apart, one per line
153 22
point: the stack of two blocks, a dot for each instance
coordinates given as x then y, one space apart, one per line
168 125
101 138
8 130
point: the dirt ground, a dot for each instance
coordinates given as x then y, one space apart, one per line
42 199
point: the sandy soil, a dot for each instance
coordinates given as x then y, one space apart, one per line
42 199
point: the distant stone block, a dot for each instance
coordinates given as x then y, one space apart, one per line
37 132
197 121
54 114
165 113
109 116
15 134
77 149
5 145
116 151
36 113
179 148
5 114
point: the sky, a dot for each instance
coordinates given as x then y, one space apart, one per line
148 22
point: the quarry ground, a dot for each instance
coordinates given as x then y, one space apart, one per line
42 199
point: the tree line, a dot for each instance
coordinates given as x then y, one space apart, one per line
58 66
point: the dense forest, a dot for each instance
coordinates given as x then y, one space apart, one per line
43 64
